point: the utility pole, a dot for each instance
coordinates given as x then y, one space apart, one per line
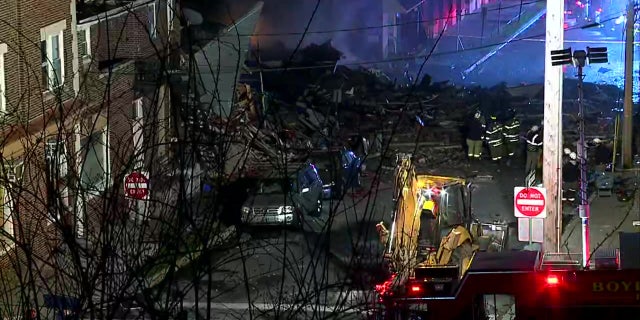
552 143
484 19
627 124
520 12
499 15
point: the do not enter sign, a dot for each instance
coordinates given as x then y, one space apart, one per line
529 202
136 185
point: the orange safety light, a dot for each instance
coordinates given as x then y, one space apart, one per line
416 289
552 280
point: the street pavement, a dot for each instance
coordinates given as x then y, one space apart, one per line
303 272
314 273
608 217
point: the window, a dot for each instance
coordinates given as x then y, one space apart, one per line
12 174
138 133
3 98
84 43
151 16
52 55
56 159
93 176
171 7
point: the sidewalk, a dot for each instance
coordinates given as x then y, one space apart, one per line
609 217
470 42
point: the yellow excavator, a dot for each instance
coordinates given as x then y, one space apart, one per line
433 225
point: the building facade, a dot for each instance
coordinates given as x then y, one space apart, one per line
74 117
401 35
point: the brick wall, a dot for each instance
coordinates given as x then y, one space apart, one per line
22 62
110 96
126 35
122 39
27 104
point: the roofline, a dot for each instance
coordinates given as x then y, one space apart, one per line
257 8
113 13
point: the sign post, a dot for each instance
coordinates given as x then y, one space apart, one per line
529 206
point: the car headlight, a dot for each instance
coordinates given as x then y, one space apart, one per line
287 209
246 210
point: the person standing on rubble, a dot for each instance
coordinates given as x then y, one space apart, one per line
475 136
570 177
511 134
534 146
494 138
602 155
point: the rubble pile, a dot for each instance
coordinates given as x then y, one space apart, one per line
320 106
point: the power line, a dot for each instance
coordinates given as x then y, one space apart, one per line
400 59
354 29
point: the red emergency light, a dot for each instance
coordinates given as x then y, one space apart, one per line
416 289
552 280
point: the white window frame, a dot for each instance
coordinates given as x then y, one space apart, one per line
171 6
87 35
152 20
3 85
46 34
7 201
81 197
103 144
54 145
137 127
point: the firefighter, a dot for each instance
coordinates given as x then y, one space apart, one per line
475 136
511 134
494 139
570 177
427 222
534 146
602 155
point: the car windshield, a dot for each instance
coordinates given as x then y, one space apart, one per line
271 187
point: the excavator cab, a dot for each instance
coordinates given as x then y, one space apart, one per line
433 227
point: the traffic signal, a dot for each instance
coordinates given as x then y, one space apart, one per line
597 55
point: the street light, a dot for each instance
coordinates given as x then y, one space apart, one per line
579 59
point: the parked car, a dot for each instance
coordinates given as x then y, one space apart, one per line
283 201
339 170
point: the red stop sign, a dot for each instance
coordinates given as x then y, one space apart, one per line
136 185
529 203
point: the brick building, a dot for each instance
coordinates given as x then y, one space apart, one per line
75 119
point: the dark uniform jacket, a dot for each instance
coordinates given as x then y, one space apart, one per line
570 171
476 129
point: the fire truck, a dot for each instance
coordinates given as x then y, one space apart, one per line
515 285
